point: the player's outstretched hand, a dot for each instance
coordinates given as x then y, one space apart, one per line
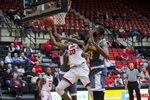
57 35
48 28
91 37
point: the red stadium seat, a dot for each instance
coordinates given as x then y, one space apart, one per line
42 46
55 54
124 63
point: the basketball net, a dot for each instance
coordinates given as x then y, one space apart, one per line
59 19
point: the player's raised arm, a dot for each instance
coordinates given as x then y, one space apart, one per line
84 53
57 44
55 31
102 47
73 40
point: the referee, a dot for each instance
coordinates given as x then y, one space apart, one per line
132 75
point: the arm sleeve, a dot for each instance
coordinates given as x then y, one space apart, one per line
138 74
127 74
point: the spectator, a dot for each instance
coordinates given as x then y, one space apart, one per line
21 69
106 16
97 15
133 32
7 77
38 68
124 17
2 68
144 64
123 78
127 51
34 75
124 56
133 52
19 74
109 80
137 63
144 78
123 70
120 45
144 75
17 19
115 17
17 44
13 49
24 60
8 59
53 71
148 62
16 85
127 29
32 58
118 82
28 50
11 69
138 68
122 32
39 58
110 44
110 66
114 44
48 45
15 60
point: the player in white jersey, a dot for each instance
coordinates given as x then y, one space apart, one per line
46 84
79 69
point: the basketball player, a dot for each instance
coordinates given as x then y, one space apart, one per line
79 69
65 65
46 84
98 48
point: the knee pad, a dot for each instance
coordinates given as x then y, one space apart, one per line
59 90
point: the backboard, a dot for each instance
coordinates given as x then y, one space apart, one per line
37 9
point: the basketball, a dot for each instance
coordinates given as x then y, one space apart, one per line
48 21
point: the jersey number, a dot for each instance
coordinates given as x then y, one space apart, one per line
91 55
72 51
50 84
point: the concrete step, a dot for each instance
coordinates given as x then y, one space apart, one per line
47 60
36 51
43 55
55 65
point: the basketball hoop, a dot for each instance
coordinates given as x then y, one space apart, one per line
59 19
